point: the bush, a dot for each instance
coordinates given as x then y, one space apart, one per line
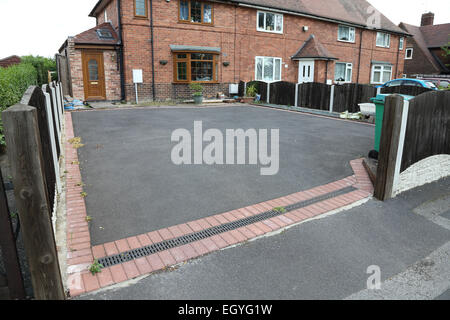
14 81
42 66
197 88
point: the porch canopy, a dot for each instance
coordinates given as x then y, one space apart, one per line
313 49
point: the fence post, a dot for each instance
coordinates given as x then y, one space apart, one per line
389 147
25 157
268 92
332 98
9 249
378 91
48 108
296 95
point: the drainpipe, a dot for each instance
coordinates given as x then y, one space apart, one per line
359 56
153 51
121 65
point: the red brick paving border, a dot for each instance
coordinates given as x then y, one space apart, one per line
81 254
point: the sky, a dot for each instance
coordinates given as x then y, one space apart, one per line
40 27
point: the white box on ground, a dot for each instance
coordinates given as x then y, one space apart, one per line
367 109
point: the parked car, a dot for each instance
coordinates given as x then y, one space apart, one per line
438 82
409 82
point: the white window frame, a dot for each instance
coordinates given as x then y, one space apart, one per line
401 44
264 29
351 31
388 45
273 72
106 15
383 66
348 68
406 53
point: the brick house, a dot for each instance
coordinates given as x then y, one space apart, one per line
424 54
9 61
217 43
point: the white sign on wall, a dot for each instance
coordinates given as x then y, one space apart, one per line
137 76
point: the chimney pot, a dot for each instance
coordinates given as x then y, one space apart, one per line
427 19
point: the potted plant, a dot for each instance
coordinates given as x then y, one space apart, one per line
250 94
198 92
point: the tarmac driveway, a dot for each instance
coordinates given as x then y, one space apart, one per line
133 187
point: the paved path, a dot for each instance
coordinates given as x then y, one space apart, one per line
133 187
322 259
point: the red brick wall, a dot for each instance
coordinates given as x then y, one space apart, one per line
113 17
234 31
419 64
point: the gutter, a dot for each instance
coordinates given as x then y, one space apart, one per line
153 51
120 49
312 16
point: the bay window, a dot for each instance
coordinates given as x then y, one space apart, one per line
269 22
381 73
195 67
346 34
343 72
191 11
268 69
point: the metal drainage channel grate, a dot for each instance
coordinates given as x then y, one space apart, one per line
196 236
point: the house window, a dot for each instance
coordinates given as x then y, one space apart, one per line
383 40
268 69
140 8
346 34
196 12
381 73
409 53
343 72
195 67
269 22
401 44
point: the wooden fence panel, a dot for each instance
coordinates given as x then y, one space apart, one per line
407 90
241 90
348 96
314 95
428 127
55 116
34 97
22 125
282 93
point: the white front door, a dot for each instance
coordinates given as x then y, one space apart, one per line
306 71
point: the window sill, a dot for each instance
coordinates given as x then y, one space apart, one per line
383 47
346 41
268 31
204 24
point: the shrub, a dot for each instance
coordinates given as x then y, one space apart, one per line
197 88
14 81
251 91
42 66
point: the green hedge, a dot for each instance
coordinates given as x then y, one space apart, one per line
42 66
14 81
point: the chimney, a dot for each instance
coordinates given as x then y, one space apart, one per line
427 19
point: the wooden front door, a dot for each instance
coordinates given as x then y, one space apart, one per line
93 75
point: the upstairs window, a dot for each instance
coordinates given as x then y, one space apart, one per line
346 34
140 8
383 40
401 44
269 22
268 69
196 12
409 53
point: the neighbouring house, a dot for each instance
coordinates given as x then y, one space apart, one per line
218 43
424 54
10 61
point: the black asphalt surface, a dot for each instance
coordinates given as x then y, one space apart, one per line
133 187
320 259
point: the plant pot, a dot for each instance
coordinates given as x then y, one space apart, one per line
198 99
247 99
